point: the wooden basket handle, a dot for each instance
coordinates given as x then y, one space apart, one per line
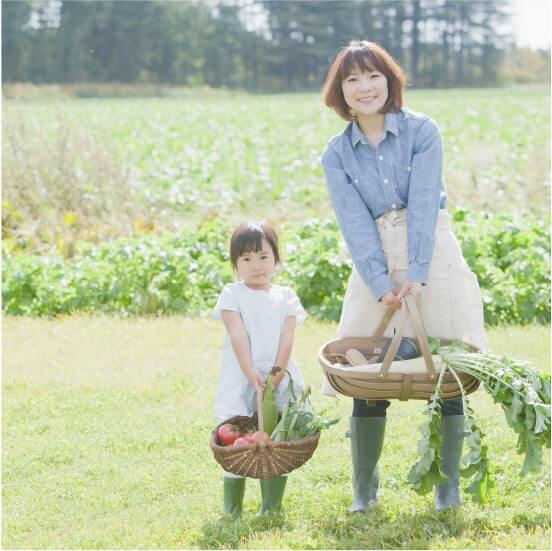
382 326
408 308
260 419
421 334
395 342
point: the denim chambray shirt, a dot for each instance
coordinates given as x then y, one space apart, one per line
404 171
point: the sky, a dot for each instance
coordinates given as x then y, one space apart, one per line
531 22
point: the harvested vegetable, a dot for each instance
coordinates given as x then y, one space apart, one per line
270 407
524 394
299 420
228 434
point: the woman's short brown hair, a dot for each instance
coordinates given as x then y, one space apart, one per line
248 237
365 56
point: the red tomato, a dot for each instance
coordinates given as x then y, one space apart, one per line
247 436
261 436
228 434
241 442
254 437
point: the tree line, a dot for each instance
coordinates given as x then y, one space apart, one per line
259 45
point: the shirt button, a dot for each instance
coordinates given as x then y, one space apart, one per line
394 206
356 180
385 181
380 157
409 169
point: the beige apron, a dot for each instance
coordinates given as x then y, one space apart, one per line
450 303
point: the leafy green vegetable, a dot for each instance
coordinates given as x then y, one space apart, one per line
522 391
299 420
524 394
476 463
427 471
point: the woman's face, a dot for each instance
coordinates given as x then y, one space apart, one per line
365 92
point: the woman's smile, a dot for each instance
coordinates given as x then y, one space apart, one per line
365 92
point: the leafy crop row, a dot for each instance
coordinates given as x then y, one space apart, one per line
184 272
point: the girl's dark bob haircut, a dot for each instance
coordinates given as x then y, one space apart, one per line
364 56
248 237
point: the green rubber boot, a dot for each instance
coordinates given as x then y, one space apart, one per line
447 495
272 493
234 489
366 444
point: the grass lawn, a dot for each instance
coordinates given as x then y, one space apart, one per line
106 425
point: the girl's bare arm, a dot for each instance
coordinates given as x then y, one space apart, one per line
241 345
285 347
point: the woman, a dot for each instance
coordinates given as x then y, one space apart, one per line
384 175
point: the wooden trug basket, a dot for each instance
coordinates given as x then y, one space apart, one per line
389 380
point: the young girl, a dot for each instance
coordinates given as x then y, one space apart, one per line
384 175
260 320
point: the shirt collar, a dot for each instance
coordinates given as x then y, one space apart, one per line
391 123
390 126
357 135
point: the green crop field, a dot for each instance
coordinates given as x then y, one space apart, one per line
100 167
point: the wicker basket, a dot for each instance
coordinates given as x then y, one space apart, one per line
262 459
351 367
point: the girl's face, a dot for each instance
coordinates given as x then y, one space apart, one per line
256 268
365 92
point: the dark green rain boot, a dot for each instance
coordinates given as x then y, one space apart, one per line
366 444
234 489
367 435
272 493
447 495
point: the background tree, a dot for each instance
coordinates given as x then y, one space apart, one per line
270 45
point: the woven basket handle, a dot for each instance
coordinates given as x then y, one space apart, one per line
408 307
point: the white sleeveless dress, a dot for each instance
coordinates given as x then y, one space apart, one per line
263 314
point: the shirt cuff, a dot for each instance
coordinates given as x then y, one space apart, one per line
417 273
380 285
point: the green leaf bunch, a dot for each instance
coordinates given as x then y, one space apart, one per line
510 254
522 391
316 267
299 419
524 394
475 462
183 272
426 472
155 274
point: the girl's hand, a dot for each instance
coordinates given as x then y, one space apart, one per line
277 379
255 380
391 300
410 288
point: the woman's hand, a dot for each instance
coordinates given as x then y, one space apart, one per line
410 288
391 300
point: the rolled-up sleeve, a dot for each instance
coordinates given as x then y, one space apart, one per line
424 194
357 226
